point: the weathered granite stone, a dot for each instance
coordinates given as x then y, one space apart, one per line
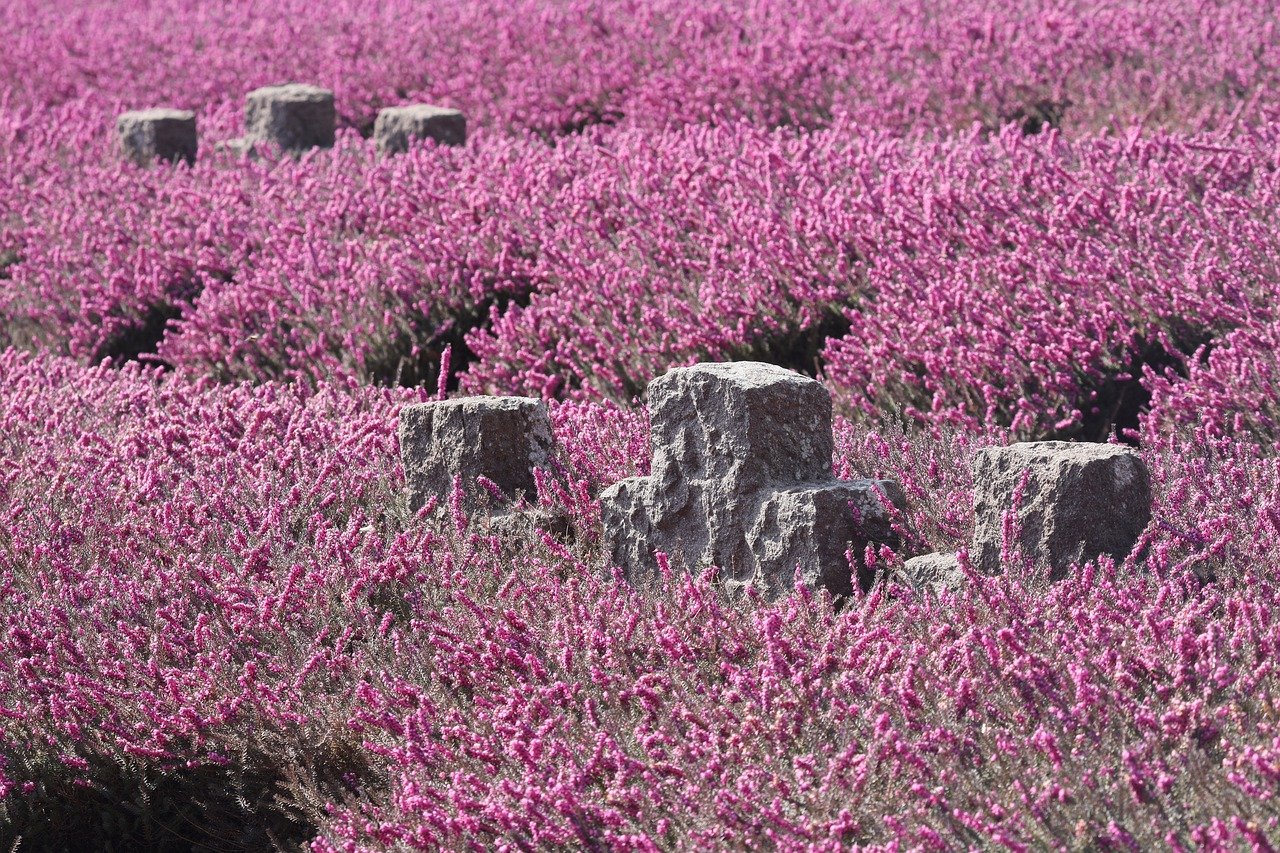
934 572
1080 501
396 128
159 134
501 438
295 117
746 423
741 479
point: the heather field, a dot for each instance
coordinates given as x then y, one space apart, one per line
223 628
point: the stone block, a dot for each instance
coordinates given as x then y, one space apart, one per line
159 134
741 479
500 438
396 128
294 117
1080 501
747 423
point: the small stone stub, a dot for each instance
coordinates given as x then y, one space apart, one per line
396 128
500 438
159 134
936 572
1080 501
741 479
294 117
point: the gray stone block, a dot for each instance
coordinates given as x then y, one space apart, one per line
741 479
935 572
159 134
748 423
501 438
294 117
1080 501
396 128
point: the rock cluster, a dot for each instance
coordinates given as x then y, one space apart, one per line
396 128
158 134
741 479
293 117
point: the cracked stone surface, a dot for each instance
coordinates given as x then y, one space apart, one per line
741 479
1080 501
158 134
294 116
396 128
501 438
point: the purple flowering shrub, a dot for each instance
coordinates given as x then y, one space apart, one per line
1024 282
214 592
220 627
557 67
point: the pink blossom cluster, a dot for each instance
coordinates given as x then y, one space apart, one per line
554 66
1008 281
219 586
977 222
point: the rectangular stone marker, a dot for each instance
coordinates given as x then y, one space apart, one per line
1080 501
158 134
396 128
741 479
295 116
501 438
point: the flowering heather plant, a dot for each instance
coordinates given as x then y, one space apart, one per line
1012 282
213 592
557 66
221 627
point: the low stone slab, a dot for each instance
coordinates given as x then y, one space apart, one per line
1080 501
294 116
741 479
158 134
936 572
396 128
500 438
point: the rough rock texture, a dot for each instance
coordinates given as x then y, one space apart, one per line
295 116
160 134
933 572
741 479
396 128
1080 501
501 438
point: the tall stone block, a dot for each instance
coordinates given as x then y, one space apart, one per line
294 117
501 438
1080 501
396 128
746 423
741 479
159 134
